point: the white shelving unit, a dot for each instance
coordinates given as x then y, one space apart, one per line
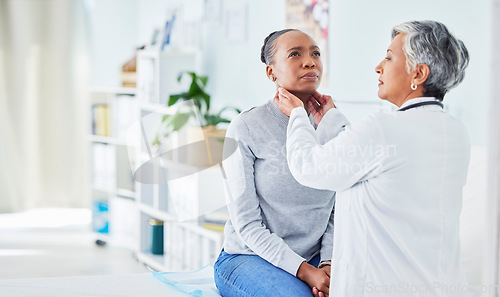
187 245
113 188
178 203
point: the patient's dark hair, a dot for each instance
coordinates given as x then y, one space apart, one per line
269 48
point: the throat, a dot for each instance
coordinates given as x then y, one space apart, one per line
304 97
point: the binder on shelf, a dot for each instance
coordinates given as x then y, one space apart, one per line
100 123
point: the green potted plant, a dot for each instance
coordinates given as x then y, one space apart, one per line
213 136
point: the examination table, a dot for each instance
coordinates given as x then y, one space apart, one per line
125 285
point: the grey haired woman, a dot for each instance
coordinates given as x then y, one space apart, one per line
399 193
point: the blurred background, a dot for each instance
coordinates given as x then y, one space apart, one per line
85 86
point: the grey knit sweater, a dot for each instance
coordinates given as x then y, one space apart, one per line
271 214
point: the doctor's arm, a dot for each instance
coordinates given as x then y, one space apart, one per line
355 154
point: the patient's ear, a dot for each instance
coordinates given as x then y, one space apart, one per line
269 72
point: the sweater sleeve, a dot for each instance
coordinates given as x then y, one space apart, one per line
244 206
354 155
326 250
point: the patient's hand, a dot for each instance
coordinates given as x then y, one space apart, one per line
315 291
316 278
319 104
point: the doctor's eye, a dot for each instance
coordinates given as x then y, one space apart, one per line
317 53
294 54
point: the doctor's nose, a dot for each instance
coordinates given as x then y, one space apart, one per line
378 68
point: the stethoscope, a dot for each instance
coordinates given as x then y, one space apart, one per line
422 104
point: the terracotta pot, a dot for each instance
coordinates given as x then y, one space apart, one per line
204 150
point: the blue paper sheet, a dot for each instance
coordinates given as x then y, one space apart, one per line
199 283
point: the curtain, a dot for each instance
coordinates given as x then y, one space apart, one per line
44 75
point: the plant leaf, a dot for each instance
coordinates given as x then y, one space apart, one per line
179 76
176 97
192 74
206 97
212 119
238 111
203 79
178 120
173 99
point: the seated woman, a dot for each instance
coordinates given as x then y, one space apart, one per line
279 230
398 176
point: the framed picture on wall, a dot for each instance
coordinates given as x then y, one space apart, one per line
213 10
236 23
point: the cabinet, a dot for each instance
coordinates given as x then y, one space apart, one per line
178 194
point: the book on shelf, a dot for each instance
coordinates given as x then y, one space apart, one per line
103 166
100 218
217 227
146 81
100 123
215 221
125 114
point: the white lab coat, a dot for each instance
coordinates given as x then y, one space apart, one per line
399 179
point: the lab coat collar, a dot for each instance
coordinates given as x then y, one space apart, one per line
418 100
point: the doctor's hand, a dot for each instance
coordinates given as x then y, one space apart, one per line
319 104
316 278
287 101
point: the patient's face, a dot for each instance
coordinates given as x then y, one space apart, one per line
297 63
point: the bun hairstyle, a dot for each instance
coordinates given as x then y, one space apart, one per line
269 48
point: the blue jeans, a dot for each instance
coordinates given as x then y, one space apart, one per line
251 276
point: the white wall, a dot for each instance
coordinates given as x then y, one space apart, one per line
236 72
359 36
113 38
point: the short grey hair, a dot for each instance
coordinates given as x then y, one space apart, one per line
431 43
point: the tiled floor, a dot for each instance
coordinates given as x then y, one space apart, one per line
42 248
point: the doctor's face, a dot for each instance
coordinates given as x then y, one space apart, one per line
394 80
297 63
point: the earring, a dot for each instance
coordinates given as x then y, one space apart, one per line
413 86
274 78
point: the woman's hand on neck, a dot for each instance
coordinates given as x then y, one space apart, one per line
304 97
